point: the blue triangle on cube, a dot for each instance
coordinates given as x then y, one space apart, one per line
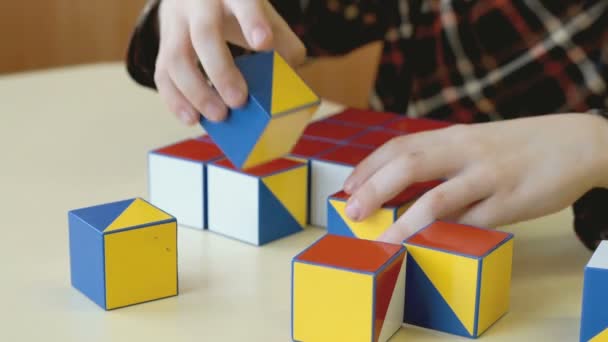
237 135
101 216
257 69
424 305
335 223
275 221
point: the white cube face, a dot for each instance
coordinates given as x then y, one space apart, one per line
177 186
233 204
326 178
600 256
394 314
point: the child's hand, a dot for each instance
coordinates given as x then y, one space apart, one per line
496 173
193 30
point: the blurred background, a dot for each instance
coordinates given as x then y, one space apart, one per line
41 34
38 34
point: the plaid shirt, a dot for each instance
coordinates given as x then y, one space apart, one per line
459 61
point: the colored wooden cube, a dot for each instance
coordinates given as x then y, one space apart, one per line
279 107
458 278
310 147
123 253
177 176
336 132
375 225
594 319
364 118
346 289
260 205
375 138
328 172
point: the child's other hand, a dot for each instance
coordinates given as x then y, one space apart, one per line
496 173
193 30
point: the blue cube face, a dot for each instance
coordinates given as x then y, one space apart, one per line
238 134
594 318
87 259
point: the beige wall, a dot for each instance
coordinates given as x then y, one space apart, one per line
38 34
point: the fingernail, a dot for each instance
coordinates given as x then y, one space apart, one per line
186 117
258 36
214 111
353 209
235 94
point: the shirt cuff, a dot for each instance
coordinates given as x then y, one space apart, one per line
143 46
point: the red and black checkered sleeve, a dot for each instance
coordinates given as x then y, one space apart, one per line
337 27
591 213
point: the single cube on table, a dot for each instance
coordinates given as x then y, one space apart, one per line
279 107
177 177
260 205
375 225
458 278
123 253
346 289
594 318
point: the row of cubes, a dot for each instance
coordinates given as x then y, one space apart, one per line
448 277
193 180
123 253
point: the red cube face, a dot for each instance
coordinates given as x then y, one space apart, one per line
311 147
364 118
333 131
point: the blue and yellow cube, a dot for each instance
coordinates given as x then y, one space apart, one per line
458 278
263 204
347 289
123 253
375 225
279 107
594 318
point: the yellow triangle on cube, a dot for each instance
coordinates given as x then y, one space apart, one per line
289 92
137 213
290 189
441 268
601 337
372 227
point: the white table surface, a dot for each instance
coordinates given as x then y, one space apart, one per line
79 136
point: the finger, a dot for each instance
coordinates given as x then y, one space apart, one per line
489 213
173 98
449 198
398 174
380 157
285 41
254 23
189 81
210 45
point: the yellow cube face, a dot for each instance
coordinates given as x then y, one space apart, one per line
123 253
495 292
141 265
371 228
342 311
